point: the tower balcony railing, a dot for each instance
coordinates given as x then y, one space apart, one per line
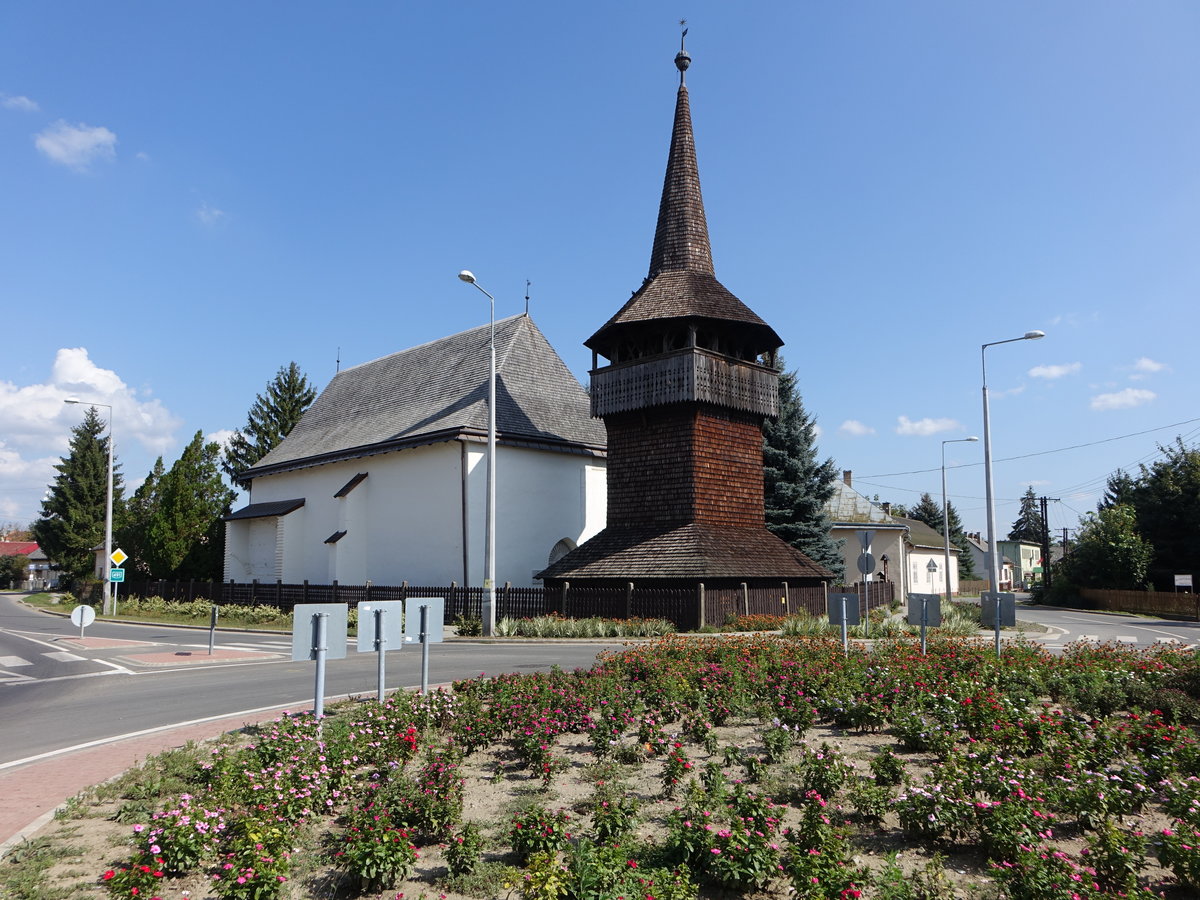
691 375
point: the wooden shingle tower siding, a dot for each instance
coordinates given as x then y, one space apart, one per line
689 379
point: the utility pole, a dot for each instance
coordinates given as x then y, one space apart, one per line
1044 502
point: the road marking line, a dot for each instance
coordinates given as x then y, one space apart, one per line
13 662
1093 638
64 656
1126 639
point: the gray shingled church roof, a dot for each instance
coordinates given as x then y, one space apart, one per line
438 391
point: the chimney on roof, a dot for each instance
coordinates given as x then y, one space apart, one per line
847 476
887 507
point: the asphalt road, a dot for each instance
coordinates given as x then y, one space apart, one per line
56 703
1069 625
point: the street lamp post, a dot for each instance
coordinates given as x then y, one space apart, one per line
946 511
993 554
489 538
108 508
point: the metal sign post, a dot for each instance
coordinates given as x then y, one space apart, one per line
843 609
426 627
319 633
998 608
380 629
924 610
866 565
319 649
82 616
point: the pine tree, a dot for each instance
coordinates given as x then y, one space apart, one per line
796 486
928 511
185 534
73 513
271 418
1029 525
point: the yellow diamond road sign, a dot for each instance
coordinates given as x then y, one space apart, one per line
118 556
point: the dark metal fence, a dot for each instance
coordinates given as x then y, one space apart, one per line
688 608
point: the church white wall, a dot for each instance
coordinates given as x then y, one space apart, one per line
404 522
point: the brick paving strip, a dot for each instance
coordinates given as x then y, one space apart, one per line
31 790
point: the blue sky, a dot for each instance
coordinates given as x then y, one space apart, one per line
194 194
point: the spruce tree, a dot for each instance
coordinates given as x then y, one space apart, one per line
958 537
928 511
796 485
272 417
185 533
1118 490
1029 525
73 512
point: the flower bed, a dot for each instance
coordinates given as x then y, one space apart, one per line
715 768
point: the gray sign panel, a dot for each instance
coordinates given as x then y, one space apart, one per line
304 630
412 619
1007 603
933 609
392 620
836 606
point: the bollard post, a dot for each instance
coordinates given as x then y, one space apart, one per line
212 628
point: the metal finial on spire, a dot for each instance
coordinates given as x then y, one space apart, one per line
682 60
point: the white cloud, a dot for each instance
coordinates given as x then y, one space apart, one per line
209 215
142 156
1146 366
37 424
855 428
220 437
925 427
1055 371
21 104
76 146
1126 399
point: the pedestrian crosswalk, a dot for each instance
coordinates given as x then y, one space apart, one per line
13 662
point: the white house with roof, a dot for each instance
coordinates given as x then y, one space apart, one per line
906 552
384 477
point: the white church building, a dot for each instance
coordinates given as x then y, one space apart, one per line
384 477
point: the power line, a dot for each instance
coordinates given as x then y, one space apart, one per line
1119 437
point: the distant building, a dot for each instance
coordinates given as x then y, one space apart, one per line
979 557
383 479
902 549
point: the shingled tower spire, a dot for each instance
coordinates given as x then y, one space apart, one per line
690 378
681 238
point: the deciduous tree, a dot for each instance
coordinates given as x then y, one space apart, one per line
139 513
272 417
1109 552
796 484
185 534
